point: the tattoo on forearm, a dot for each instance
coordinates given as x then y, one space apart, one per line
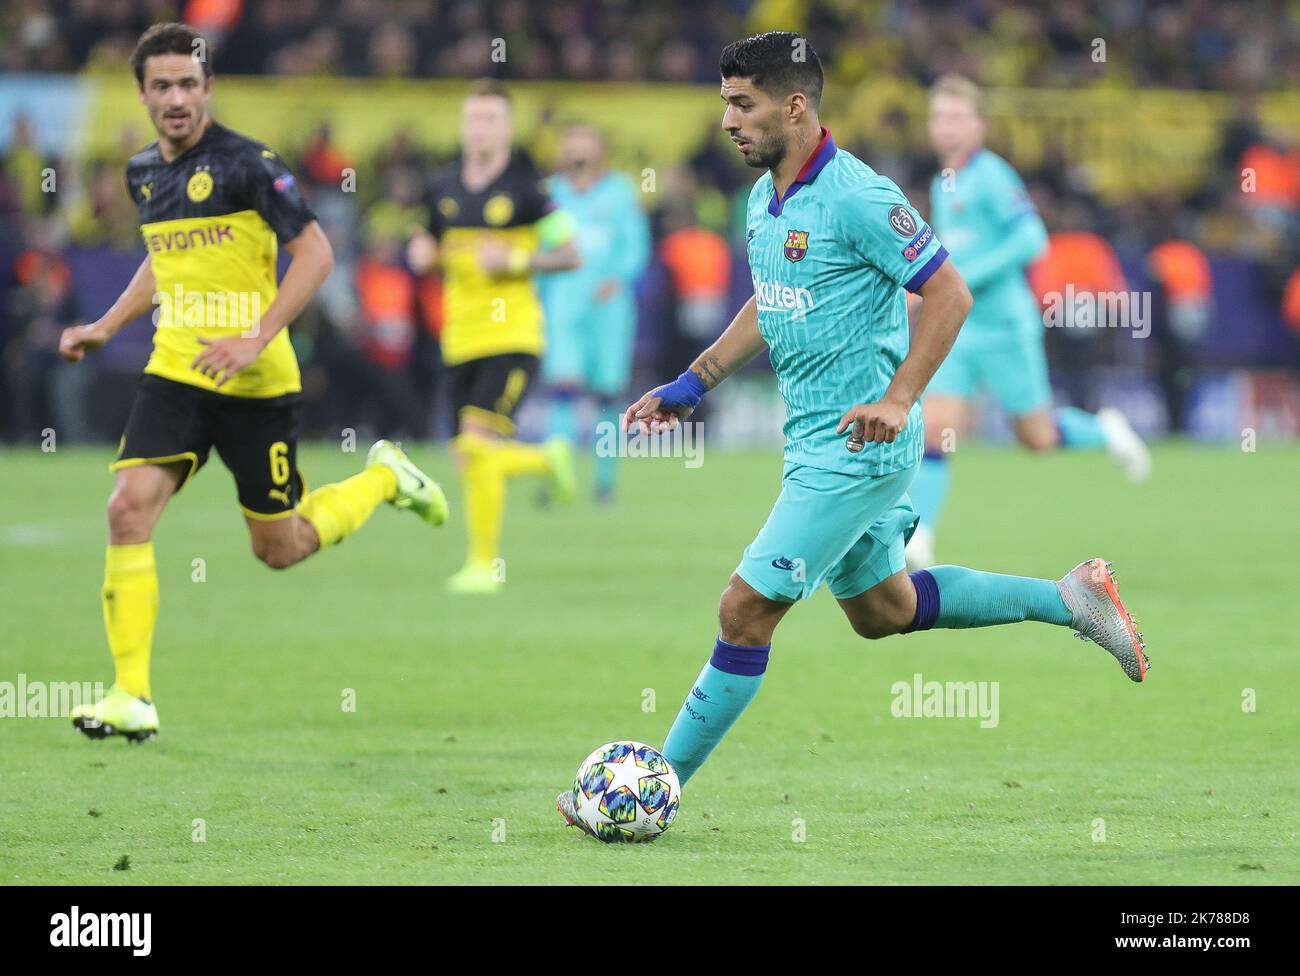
711 371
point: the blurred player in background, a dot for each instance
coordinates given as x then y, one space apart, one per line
213 205
591 311
980 209
832 245
493 226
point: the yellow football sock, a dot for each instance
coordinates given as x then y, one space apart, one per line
338 510
517 458
485 496
130 599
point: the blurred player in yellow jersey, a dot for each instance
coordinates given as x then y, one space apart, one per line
493 227
213 207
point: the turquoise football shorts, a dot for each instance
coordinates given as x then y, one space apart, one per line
1010 366
845 530
592 347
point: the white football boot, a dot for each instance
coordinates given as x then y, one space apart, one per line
1124 445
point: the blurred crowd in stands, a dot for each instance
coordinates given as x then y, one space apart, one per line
369 345
1205 44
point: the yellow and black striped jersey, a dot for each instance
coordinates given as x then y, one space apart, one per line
210 219
485 315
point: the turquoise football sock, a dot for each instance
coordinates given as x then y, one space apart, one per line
607 464
1080 430
564 414
929 488
956 597
724 688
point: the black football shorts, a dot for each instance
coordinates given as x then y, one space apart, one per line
488 390
257 440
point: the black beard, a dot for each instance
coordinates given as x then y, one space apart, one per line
768 156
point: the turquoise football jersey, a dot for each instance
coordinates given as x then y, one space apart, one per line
829 264
992 231
613 238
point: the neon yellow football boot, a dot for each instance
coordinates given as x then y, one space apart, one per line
564 472
476 578
117 713
415 489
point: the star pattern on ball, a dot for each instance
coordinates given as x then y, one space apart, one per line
628 773
589 809
633 793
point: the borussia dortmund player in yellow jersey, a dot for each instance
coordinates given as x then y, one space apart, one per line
213 207
493 227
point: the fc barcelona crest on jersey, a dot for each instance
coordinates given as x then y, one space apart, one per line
796 245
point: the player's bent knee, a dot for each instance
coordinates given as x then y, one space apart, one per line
284 542
277 553
123 510
276 556
745 616
130 512
877 620
139 496
1038 442
1037 432
872 629
884 610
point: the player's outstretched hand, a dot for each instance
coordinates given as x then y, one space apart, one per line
77 340
874 423
650 416
664 407
223 358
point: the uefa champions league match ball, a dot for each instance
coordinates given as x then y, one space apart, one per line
626 792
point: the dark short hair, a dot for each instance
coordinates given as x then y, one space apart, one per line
489 86
169 39
779 62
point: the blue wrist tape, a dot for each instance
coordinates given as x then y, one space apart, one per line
685 391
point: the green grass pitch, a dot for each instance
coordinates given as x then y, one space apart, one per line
471 712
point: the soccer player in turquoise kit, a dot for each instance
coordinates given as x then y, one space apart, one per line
979 207
832 245
591 311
